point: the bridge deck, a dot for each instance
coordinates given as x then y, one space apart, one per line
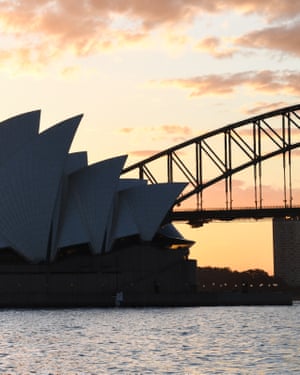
198 218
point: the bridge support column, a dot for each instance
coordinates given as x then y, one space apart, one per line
286 247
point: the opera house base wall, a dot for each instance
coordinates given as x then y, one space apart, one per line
89 280
136 276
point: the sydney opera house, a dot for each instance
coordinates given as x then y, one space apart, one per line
74 233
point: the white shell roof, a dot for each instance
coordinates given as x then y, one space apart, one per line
72 230
50 199
29 186
170 231
128 183
149 204
94 188
76 161
121 223
16 132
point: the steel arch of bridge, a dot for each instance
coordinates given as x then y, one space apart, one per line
278 129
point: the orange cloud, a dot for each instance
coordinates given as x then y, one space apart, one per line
263 107
175 133
272 9
126 130
263 81
212 45
282 38
176 129
59 27
45 29
143 153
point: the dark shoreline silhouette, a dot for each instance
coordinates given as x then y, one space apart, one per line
225 279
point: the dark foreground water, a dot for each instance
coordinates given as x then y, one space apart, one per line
204 340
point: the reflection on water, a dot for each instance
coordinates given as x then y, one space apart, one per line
203 340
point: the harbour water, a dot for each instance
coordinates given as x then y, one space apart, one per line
203 340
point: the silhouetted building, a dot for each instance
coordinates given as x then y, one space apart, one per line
78 233
286 244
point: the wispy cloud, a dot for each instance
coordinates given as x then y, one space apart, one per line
283 38
263 107
173 132
143 153
216 47
126 130
271 10
265 81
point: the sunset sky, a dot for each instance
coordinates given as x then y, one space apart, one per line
150 74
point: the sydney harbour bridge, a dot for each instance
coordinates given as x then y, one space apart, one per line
262 151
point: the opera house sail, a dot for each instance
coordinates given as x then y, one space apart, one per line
74 233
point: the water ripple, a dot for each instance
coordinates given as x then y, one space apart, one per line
215 340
